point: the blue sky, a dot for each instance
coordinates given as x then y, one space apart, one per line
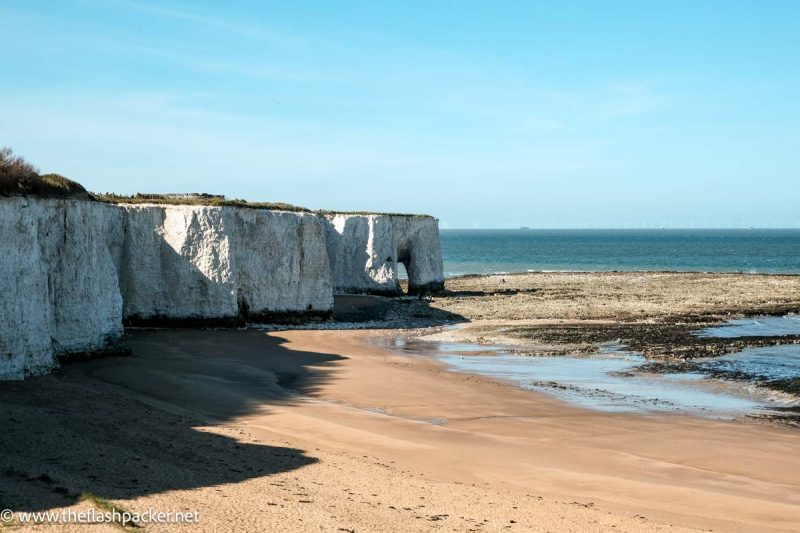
485 114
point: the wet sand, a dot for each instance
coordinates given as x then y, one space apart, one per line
327 430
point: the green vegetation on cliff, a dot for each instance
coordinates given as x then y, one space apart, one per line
20 178
326 212
194 199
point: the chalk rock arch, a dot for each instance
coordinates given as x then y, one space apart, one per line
364 251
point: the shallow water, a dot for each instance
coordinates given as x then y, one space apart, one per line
591 382
759 326
769 362
759 364
609 381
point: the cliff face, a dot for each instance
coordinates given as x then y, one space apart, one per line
72 271
281 263
364 252
176 264
218 264
58 282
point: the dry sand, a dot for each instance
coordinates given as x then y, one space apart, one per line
328 431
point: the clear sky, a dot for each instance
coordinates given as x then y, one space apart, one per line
485 114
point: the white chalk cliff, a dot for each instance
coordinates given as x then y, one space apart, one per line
72 271
365 250
58 282
203 263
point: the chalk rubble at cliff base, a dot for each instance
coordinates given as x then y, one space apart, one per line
74 270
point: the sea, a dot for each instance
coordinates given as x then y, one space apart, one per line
755 251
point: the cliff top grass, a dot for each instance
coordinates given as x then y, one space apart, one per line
213 200
325 212
196 199
20 178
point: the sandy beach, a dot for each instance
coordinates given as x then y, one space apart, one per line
332 431
389 267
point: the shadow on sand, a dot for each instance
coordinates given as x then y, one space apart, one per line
125 427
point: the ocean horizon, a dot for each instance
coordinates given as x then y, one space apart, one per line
507 251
